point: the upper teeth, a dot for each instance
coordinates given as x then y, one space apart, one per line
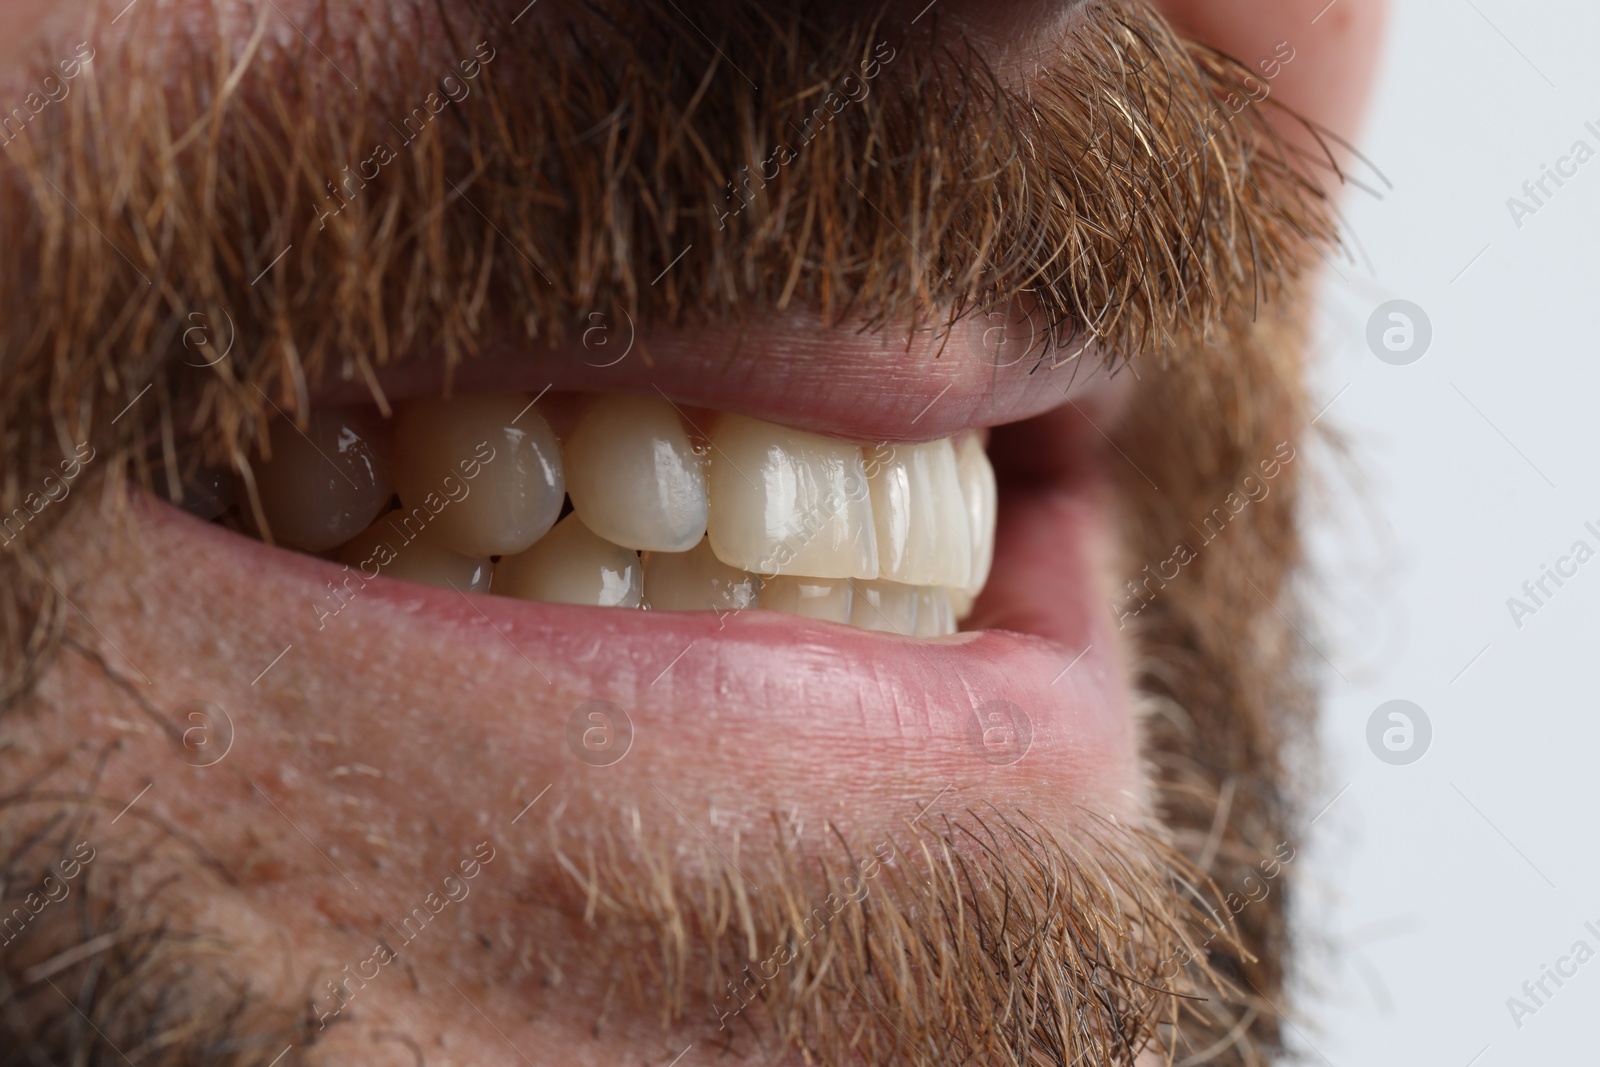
755 515
519 496
633 475
921 517
789 502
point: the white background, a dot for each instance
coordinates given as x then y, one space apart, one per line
1432 891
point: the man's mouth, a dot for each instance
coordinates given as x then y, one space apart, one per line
615 540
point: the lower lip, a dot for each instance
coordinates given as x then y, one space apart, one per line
766 707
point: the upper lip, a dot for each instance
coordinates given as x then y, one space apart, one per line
841 381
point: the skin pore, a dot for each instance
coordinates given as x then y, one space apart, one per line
397 858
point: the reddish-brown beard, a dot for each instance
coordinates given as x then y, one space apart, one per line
1107 193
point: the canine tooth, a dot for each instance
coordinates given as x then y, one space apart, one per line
920 516
789 502
887 606
634 477
385 549
815 598
486 468
572 565
936 615
322 487
696 580
982 498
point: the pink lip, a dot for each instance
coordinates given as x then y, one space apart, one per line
766 707
790 370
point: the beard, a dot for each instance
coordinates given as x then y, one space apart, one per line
1133 204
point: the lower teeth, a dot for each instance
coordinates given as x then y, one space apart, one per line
466 493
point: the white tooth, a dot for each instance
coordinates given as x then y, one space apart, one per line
385 549
887 606
936 615
572 565
322 487
961 603
815 598
696 580
920 516
982 497
634 477
481 472
789 502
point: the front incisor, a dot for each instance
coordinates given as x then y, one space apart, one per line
981 494
789 502
921 517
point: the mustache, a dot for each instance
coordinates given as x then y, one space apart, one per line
480 183
952 937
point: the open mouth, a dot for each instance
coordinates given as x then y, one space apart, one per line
736 555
